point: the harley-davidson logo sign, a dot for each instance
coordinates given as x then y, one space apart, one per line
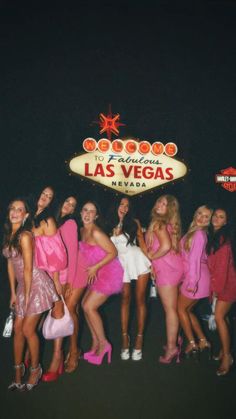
227 178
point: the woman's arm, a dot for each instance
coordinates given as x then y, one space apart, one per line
26 242
140 238
49 229
106 244
194 260
164 241
218 264
69 233
12 281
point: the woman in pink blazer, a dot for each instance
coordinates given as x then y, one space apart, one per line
73 280
196 281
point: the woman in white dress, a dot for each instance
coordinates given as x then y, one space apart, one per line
126 233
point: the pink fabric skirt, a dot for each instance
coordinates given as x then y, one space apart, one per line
109 278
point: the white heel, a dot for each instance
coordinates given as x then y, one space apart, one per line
29 386
18 386
137 354
125 353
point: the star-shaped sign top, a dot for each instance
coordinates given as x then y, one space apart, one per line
109 123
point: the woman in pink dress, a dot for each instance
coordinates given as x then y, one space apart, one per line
32 291
73 282
222 265
50 252
105 277
163 237
196 281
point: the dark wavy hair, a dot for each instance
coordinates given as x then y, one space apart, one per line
129 226
61 220
47 213
99 220
12 241
226 234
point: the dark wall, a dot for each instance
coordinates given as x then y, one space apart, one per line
169 70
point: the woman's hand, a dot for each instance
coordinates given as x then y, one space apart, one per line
26 301
153 274
58 287
150 255
92 270
12 300
191 289
68 290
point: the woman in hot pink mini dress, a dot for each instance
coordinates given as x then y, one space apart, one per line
196 280
105 277
163 237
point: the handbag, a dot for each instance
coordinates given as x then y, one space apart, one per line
58 328
8 328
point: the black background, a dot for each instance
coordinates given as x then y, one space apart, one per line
168 68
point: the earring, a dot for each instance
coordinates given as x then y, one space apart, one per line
23 222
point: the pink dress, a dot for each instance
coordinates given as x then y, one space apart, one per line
50 253
42 292
69 234
109 278
196 272
223 273
168 268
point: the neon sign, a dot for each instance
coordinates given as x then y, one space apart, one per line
128 166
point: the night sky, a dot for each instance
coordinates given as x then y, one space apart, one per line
168 70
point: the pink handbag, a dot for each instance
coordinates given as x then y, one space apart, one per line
58 328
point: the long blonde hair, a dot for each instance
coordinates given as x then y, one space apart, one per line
171 217
194 227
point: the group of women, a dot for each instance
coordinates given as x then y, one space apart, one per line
50 256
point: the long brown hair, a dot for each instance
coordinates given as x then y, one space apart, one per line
13 241
171 217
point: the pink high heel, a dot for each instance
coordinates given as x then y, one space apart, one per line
167 359
97 359
87 355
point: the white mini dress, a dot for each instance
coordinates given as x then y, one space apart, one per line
132 258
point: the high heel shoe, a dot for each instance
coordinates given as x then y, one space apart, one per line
223 371
167 359
30 386
193 351
137 354
97 359
87 355
18 386
72 362
53 375
125 354
205 346
218 357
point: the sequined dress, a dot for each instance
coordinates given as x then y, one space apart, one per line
42 291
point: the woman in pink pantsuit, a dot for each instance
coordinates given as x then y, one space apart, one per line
163 239
196 281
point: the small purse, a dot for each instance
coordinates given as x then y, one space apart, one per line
8 328
58 328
